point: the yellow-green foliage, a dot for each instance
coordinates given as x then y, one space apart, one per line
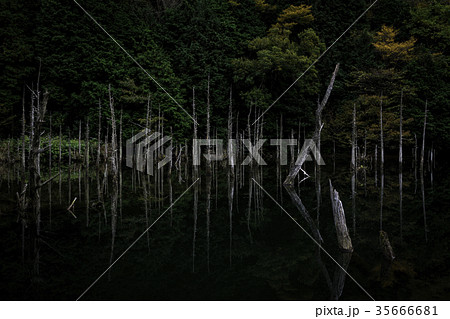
391 50
294 15
263 6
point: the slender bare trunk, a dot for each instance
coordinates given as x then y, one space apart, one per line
381 133
422 153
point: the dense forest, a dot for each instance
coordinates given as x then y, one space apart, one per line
256 48
91 90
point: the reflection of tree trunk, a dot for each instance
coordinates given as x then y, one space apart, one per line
194 237
69 177
422 188
340 275
208 177
86 175
415 163
376 165
208 216
79 162
115 175
400 188
147 207
381 199
38 110
231 183
249 206
194 177
354 200
50 170
304 213
422 153
59 165
231 174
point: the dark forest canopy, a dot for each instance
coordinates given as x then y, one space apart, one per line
256 47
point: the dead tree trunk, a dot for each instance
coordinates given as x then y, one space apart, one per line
422 153
114 171
381 133
400 142
354 139
38 113
400 167
344 240
302 157
386 247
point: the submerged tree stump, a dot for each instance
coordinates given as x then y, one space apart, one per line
386 247
344 240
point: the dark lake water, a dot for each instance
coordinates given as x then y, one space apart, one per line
253 252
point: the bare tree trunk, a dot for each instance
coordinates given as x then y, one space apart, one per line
114 171
400 142
79 141
302 157
354 139
344 240
38 111
194 177
50 170
415 163
99 135
386 247
400 167
422 153
23 140
86 176
376 165
59 163
79 162
208 180
381 133
69 177
304 213
231 146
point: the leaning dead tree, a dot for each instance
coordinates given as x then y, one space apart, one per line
316 137
344 240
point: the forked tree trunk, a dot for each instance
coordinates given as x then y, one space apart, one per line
303 155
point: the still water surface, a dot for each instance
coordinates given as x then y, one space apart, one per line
244 247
